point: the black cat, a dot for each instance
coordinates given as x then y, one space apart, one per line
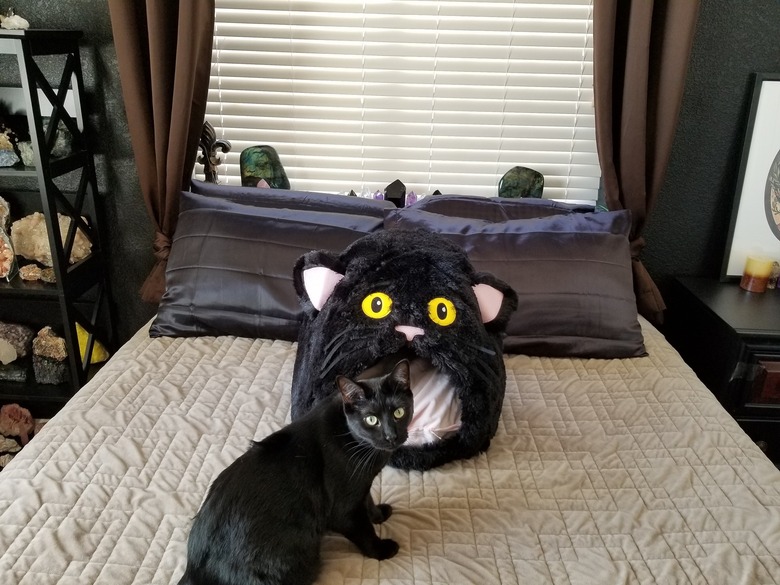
264 516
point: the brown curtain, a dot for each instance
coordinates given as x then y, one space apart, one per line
164 53
640 58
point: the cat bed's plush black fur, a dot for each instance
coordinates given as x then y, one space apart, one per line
394 294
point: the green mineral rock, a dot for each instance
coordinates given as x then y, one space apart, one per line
262 162
521 182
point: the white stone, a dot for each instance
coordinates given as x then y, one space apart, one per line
7 352
13 22
29 238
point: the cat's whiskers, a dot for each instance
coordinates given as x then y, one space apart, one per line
354 447
333 359
481 348
336 338
368 459
485 372
328 361
482 362
359 454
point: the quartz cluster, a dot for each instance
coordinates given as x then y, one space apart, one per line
30 239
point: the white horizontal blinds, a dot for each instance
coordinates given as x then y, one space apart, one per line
441 95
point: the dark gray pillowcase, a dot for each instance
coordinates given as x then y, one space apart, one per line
230 267
495 208
572 273
287 199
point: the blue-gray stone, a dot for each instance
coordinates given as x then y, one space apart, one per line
8 158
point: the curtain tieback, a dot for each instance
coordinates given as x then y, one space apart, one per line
162 246
637 245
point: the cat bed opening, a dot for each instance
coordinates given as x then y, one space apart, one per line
437 408
407 294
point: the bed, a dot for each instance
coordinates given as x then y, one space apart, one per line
604 470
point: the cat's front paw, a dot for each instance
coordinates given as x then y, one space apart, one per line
386 549
381 513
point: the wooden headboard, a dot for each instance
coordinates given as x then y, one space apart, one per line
209 143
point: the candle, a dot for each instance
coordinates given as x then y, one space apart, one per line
756 274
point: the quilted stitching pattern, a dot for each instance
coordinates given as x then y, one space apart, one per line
602 471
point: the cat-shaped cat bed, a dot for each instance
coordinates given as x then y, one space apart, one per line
407 294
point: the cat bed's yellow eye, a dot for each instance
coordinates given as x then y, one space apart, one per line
371 420
377 305
399 413
441 311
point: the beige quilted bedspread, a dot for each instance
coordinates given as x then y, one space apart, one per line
602 472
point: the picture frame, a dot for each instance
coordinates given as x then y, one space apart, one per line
754 229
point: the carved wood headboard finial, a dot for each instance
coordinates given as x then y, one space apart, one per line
209 143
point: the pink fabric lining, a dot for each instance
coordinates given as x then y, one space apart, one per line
436 408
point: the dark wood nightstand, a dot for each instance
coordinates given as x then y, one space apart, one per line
731 339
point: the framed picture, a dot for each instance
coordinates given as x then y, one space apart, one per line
755 217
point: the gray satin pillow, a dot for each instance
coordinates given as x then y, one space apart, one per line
288 199
572 274
496 208
230 267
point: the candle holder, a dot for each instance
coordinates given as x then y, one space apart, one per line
757 273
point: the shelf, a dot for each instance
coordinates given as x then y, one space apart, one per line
31 391
41 41
81 293
57 166
81 277
42 400
18 171
18 287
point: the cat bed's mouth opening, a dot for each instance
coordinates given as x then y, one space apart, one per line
437 409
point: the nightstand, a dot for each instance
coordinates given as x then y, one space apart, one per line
731 339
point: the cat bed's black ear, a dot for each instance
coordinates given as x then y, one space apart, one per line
315 275
497 300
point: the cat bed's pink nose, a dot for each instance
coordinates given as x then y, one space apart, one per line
409 331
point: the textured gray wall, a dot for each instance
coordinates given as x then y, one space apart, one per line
687 231
685 234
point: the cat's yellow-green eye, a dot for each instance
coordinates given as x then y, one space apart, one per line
377 305
441 311
399 413
371 420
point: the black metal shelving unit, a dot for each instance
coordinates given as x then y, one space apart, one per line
81 293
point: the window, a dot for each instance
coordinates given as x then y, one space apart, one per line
441 95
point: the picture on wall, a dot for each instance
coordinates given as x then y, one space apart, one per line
755 218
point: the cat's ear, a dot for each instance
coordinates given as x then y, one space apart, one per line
315 275
402 374
350 391
497 300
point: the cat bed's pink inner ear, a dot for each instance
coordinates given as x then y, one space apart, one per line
319 283
489 300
